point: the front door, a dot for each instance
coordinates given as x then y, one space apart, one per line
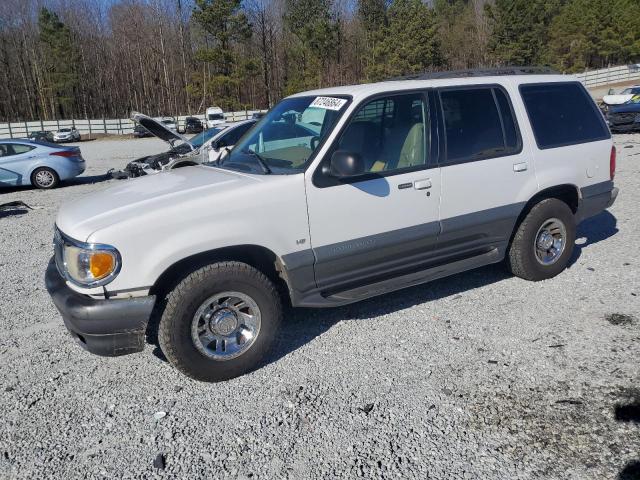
385 222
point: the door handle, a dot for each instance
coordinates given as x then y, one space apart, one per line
520 167
422 184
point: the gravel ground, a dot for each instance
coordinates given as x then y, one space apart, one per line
481 375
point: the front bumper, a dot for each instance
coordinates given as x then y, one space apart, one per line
595 199
105 327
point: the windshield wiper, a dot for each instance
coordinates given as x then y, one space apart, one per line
261 161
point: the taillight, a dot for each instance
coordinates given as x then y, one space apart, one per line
65 153
612 163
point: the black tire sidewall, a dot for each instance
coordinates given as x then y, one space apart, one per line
56 178
178 326
546 210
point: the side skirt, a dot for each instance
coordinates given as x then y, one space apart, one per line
320 299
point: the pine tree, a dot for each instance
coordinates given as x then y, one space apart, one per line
520 30
60 58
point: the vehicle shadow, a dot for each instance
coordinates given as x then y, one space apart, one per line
629 412
593 230
302 325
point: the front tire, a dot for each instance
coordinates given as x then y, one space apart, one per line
45 178
544 241
220 321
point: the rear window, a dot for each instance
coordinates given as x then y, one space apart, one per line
479 124
563 114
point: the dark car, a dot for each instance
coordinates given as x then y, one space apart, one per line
41 136
192 125
139 131
626 117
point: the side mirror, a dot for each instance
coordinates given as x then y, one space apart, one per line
346 164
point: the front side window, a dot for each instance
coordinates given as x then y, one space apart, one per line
479 124
198 140
390 133
287 137
563 114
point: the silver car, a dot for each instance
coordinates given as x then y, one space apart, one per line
41 164
66 135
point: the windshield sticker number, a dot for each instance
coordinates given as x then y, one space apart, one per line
328 103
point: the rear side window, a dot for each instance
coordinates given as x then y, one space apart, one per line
479 124
563 114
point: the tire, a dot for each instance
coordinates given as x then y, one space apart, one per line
209 362
45 178
527 256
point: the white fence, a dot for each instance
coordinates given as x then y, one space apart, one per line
118 126
608 76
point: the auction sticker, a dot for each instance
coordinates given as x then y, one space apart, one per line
328 103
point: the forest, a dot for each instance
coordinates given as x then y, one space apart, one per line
104 58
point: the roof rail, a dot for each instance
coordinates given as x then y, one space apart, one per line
479 72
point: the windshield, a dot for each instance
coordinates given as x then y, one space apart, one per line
65 130
216 116
287 136
627 91
200 139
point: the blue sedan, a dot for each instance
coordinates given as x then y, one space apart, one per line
41 164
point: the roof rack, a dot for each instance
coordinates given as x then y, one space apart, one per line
479 72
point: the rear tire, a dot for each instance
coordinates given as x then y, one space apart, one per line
45 178
220 321
543 242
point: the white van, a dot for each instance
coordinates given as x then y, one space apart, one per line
215 116
335 196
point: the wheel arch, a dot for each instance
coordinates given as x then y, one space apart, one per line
568 193
259 257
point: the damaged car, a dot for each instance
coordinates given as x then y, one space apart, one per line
205 147
625 118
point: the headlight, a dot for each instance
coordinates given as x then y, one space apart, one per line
86 264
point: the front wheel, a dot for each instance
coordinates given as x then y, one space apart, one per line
543 242
220 321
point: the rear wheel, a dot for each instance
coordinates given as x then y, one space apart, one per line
45 178
543 242
220 321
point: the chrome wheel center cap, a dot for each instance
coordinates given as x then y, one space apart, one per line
545 241
223 322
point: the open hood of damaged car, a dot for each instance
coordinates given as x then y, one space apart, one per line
159 130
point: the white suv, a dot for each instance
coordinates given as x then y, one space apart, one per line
335 196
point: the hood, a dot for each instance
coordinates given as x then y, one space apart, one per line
617 99
129 200
159 130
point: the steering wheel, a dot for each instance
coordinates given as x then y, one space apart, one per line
313 143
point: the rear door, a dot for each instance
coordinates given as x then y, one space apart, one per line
385 222
487 175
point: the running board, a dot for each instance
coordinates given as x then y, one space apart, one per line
409 280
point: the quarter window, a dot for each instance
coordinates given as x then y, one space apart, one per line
479 124
563 114
390 134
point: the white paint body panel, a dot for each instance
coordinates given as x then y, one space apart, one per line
157 220
347 212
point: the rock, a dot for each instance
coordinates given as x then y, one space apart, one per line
159 415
